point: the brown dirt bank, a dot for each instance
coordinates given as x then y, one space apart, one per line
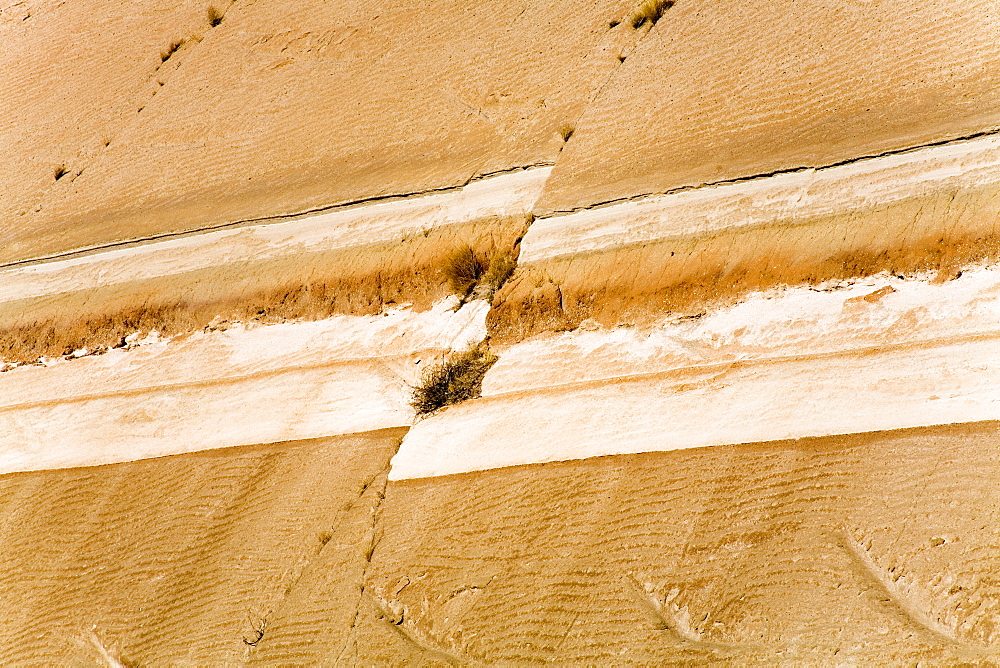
940 232
354 281
877 548
177 559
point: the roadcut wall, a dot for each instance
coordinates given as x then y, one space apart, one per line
730 274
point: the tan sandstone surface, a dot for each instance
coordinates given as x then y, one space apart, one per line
819 551
280 109
733 269
728 90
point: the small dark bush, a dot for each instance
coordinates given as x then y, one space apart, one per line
214 17
176 44
458 378
60 172
650 10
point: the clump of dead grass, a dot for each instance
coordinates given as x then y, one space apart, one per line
214 16
650 11
472 274
458 378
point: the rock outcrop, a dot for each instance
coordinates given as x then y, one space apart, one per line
730 273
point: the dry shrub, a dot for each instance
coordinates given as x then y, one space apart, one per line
650 10
214 16
471 274
499 267
462 269
458 378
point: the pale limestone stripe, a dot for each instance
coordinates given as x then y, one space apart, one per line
738 403
221 389
365 225
799 195
881 354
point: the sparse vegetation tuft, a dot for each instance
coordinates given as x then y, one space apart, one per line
214 16
499 267
60 172
471 274
651 11
176 44
458 378
463 269
566 131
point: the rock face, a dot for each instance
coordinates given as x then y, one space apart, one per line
730 271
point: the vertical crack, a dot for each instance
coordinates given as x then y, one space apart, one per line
380 481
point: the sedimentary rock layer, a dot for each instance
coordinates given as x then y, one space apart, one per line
726 89
746 404
869 548
355 260
227 388
930 209
178 559
874 547
880 354
276 109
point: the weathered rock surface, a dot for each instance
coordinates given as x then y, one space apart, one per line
739 263
728 90
278 109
